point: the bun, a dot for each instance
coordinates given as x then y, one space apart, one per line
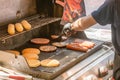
31 50
26 25
50 63
13 52
19 27
11 29
30 56
33 62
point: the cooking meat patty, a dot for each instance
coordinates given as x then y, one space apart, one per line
56 36
40 41
48 48
59 44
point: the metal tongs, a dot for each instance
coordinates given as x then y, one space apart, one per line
66 31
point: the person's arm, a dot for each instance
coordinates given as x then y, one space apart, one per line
103 16
83 23
60 2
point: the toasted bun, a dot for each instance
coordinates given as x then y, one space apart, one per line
33 62
19 27
11 29
13 52
26 25
31 50
31 56
50 63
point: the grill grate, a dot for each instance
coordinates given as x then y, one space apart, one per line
13 41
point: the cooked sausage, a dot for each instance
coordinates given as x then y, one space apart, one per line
88 44
77 47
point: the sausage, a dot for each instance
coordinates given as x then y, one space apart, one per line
77 47
88 44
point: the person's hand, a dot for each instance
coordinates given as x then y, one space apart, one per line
67 30
83 23
77 26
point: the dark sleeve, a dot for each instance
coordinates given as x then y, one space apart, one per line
104 14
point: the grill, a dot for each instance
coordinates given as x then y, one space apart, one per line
45 22
67 58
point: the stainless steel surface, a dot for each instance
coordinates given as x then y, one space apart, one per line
83 68
93 68
12 10
11 61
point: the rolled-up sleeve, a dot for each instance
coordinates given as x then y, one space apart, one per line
104 14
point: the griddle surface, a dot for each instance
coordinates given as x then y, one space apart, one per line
67 58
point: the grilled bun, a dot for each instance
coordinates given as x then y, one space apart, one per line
19 27
33 62
11 29
50 63
31 56
13 52
31 50
26 25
